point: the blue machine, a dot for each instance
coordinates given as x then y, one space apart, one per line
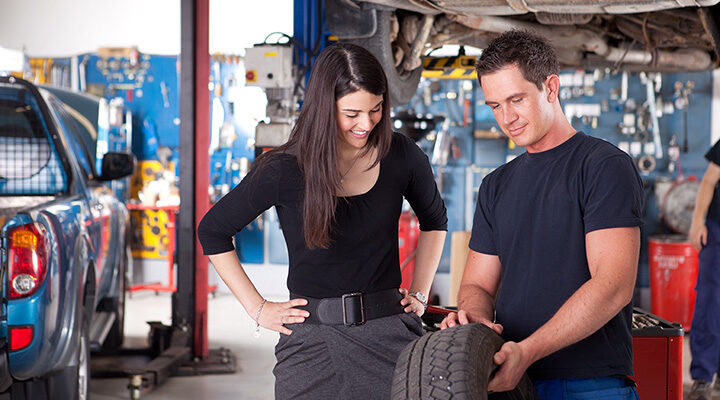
148 86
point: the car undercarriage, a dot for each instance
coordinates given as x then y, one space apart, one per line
635 35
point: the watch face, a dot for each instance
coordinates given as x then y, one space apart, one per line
420 296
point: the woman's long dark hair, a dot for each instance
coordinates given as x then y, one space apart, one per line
339 70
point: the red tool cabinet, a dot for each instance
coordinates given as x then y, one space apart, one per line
657 357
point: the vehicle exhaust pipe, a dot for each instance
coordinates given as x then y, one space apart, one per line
571 37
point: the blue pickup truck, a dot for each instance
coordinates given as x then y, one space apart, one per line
63 245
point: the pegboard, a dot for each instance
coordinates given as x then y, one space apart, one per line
148 86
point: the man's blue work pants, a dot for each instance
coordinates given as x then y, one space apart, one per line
705 328
606 388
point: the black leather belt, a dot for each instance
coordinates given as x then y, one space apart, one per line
352 308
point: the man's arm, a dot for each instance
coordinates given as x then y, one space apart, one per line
478 290
698 230
612 258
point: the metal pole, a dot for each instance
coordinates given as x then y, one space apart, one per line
202 169
190 300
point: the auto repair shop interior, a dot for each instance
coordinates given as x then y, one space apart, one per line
196 89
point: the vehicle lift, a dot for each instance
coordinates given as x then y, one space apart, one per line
182 348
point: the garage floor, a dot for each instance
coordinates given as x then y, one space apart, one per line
231 328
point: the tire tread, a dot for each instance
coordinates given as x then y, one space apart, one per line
452 364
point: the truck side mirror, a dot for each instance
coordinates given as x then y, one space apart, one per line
117 165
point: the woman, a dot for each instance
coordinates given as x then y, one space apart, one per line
338 186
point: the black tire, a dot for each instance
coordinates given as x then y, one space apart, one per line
114 339
71 383
79 380
402 84
454 363
74 384
82 371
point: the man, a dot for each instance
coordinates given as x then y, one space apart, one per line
705 237
555 239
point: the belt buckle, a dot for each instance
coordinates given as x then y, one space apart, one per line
357 295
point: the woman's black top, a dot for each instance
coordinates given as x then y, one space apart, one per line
363 255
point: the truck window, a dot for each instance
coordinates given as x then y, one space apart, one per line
73 137
29 163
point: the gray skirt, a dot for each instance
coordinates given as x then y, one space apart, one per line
342 362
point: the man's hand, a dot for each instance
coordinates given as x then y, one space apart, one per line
463 318
698 230
513 360
698 234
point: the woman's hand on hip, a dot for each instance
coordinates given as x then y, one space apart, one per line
274 315
411 304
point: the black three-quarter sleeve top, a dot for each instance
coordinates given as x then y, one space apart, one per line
363 255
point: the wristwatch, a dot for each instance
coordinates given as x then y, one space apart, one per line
420 296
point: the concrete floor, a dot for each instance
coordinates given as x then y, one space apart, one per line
687 380
231 328
228 326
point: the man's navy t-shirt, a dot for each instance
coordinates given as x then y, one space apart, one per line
713 155
533 213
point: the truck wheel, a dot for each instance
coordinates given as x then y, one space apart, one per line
83 368
75 382
114 339
71 383
454 363
402 83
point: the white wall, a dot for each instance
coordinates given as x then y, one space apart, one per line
68 27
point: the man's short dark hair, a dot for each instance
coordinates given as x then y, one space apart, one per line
532 53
